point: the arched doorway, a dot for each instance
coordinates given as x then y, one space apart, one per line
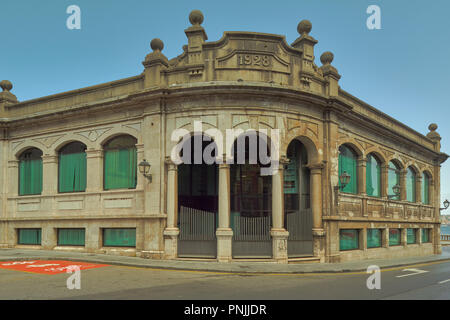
297 205
251 198
197 201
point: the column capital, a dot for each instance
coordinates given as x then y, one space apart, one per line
171 165
316 168
47 158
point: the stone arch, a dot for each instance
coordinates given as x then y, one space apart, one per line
428 172
115 132
378 154
352 144
186 135
414 167
71 139
30 145
305 134
311 148
229 147
396 161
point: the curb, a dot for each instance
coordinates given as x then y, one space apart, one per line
183 268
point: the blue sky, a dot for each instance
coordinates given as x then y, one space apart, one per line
402 69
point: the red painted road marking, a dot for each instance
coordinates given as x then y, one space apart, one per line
47 266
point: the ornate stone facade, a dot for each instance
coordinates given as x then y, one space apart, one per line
245 80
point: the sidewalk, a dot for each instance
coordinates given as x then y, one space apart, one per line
211 266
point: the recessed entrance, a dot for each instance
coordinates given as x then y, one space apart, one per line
197 204
251 204
297 208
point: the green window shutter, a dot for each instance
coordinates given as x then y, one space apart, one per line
394 237
347 162
373 238
71 237
120 168
373 177
425 189
410 236
30 236
348 239
30 177
410 186
393 179
119 237
425 235
72 172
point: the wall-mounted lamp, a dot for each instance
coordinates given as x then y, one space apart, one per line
144 169
446 204
344 179
396 189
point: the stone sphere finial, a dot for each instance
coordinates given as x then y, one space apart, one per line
432 127
157 44
304 27
196 17
6 85
327 57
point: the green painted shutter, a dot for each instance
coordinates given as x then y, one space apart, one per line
71 237
373 177
72 172
393 179
348 239
394 237
410 186
30 236
30 177
120 168
119 237
425 189
410 236
347 162
425 235
373 238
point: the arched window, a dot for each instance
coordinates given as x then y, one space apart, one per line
347 163
30 172
120 163
393 179
410 185
373 176
425 188
72 168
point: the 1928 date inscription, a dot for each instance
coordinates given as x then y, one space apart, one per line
253 60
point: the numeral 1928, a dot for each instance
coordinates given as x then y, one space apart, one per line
255 60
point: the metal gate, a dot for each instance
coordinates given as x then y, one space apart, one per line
197 233
300 240
251 237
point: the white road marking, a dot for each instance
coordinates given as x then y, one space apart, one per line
441 282
415 271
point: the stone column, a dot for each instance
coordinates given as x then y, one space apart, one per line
403 184
316 207
404 237
224 233
49 174
385 235
13 178
94 171
278 232
384 180
48 237
418 189
362 164
141 180
171 231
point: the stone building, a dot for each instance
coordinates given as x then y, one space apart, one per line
352 182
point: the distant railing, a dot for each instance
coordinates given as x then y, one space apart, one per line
445 237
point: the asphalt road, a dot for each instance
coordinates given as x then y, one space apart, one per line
118 282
